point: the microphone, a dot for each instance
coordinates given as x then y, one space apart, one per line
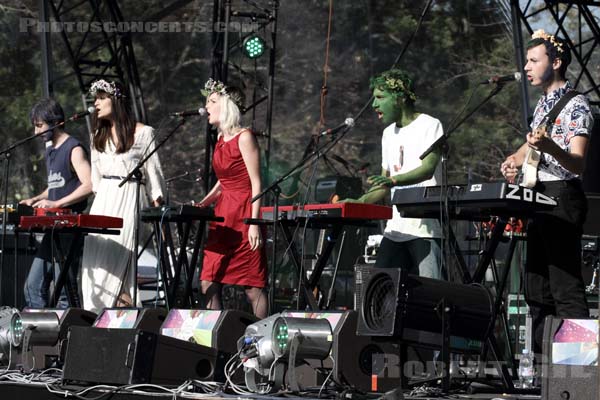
190 113
348 123
90 110
502 79
47 134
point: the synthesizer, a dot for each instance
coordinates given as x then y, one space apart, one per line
476 201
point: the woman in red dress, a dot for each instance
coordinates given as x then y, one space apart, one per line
234 253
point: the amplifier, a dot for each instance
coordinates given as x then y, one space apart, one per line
132 356
341 187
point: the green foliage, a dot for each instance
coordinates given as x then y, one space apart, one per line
459 43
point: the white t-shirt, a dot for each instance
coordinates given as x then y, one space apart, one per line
400 151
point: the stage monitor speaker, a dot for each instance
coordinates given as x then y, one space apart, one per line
133 356
336 188
570 359
147 319
390 300
219 329
361 362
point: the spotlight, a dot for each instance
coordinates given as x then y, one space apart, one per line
302 338
253 46
256 352
274 345
34 329
37 335
6 314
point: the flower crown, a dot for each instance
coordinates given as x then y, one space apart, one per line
213 86
394 81
107 87
541 34
398 85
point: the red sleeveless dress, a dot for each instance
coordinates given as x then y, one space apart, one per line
227 255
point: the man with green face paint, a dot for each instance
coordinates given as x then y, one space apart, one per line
411 243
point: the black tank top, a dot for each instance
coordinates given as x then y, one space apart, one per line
62 179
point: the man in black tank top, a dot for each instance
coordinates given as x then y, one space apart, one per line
69 185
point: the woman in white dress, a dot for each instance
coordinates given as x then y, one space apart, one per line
117 145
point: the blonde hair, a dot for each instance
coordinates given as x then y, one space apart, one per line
230 115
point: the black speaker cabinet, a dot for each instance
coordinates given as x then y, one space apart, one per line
365 363
591 226
389 300
340 186
16 268
132 356
570 359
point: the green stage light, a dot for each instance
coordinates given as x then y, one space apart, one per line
253 46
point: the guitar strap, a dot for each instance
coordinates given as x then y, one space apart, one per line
550 118
558 107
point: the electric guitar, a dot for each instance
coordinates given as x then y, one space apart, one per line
532 160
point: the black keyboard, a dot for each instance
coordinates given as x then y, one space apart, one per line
180 213
476 202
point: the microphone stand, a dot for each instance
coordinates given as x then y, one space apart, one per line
276 191
442 144
135 175
6 154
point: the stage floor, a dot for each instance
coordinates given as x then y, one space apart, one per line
39 391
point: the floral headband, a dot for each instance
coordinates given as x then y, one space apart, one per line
213 86
541 34
394 81
107 87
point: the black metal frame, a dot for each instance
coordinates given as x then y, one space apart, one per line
578 14
264 14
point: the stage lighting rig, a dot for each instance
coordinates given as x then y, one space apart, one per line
272 348
256 351
253 46
34 329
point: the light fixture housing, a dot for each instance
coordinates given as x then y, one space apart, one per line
6 314
253 46
314 338
34 328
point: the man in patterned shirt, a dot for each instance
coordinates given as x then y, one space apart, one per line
553 281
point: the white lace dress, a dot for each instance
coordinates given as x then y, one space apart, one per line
105 271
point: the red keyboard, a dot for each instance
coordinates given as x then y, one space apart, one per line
71 221
337 210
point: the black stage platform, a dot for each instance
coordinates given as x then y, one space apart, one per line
39 391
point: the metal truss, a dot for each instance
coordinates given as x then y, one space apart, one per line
233 21
576 21
96 48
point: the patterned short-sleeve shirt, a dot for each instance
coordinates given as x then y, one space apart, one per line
575 119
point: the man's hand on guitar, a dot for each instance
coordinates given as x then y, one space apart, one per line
509 169
541 142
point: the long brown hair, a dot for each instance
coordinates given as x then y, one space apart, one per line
122 117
